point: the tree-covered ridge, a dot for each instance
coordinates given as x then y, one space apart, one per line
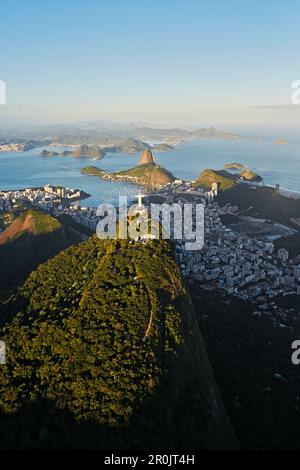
32 222
225 179
31 239
40 222
93 331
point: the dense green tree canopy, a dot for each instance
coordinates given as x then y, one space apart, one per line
92 330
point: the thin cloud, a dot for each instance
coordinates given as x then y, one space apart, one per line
16 106
282 107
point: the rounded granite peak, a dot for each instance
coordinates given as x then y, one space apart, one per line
146 157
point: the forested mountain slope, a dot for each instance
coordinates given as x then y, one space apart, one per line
103 350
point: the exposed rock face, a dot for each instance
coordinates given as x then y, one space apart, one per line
146 157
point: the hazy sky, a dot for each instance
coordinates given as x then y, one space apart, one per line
158 61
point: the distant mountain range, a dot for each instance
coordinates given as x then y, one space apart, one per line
107 133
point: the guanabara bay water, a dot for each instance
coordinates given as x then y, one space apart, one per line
186 160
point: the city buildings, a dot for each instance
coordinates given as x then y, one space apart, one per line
229 261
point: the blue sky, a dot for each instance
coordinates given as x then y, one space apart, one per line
159 61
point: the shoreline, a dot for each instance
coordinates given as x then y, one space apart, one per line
289 193
83 195
285 192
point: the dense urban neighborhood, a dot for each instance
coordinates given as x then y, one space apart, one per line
246 267
229 261
49 198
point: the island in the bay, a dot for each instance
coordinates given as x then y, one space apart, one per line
96 152
233 166
149 173
281 142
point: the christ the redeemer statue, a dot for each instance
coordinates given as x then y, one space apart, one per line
140 199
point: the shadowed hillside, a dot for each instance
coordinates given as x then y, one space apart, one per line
106 352
246 352
31 222
262 202
30 240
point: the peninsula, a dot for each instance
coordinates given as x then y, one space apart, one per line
146 173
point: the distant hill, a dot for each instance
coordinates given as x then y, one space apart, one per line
214 133
112 133
262 202
30 240
183 134
84 151
32 144
225 179
105 352
162 147
48 153
89 151
131 145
